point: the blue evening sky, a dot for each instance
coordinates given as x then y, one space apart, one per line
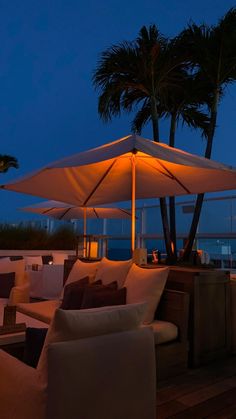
48 107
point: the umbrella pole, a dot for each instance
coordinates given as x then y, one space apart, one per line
133 209
85 230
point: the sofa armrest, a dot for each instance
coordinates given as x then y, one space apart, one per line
174 308
21 394
19 294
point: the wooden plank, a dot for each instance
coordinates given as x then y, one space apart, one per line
228 412
195 380
209 407
208 392
169 409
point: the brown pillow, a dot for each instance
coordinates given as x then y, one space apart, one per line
73 293
103 296
7 281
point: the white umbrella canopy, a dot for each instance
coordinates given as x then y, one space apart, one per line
63 211
131 167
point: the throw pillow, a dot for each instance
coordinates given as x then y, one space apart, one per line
7 282
73 294
17 266
103 296
146 285
113 270
82 269
59 258
77 324
34 341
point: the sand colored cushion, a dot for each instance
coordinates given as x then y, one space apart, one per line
59 258
78 324
82 269
110 270
17 266
7 282
43 310
146 285
163 331
33 260
4 260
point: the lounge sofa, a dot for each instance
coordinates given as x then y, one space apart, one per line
95 364
169 325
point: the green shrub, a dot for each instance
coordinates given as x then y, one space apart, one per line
22 237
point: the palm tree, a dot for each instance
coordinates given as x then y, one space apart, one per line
212 52
133 75
184 103
6 162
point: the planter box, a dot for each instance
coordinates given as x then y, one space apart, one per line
209 314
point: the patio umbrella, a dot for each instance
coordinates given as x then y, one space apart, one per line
63 211
131 167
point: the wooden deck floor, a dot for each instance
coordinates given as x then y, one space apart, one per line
206 392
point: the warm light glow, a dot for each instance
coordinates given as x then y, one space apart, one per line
92 249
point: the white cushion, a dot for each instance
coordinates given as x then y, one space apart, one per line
82 269
110 270
146 285
33 260
77 324
3 260
17 266
42 310
59 258
163 331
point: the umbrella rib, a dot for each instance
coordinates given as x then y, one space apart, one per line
64 213
168 174
99 182
174 177
95 212
125 212
48 210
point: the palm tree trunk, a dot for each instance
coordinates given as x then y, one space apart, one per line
172 198
163 206
200 197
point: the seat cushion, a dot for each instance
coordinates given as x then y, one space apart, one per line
146 285
110 270
163 331
43 310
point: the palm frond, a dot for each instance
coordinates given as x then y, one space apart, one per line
195 118
6 162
